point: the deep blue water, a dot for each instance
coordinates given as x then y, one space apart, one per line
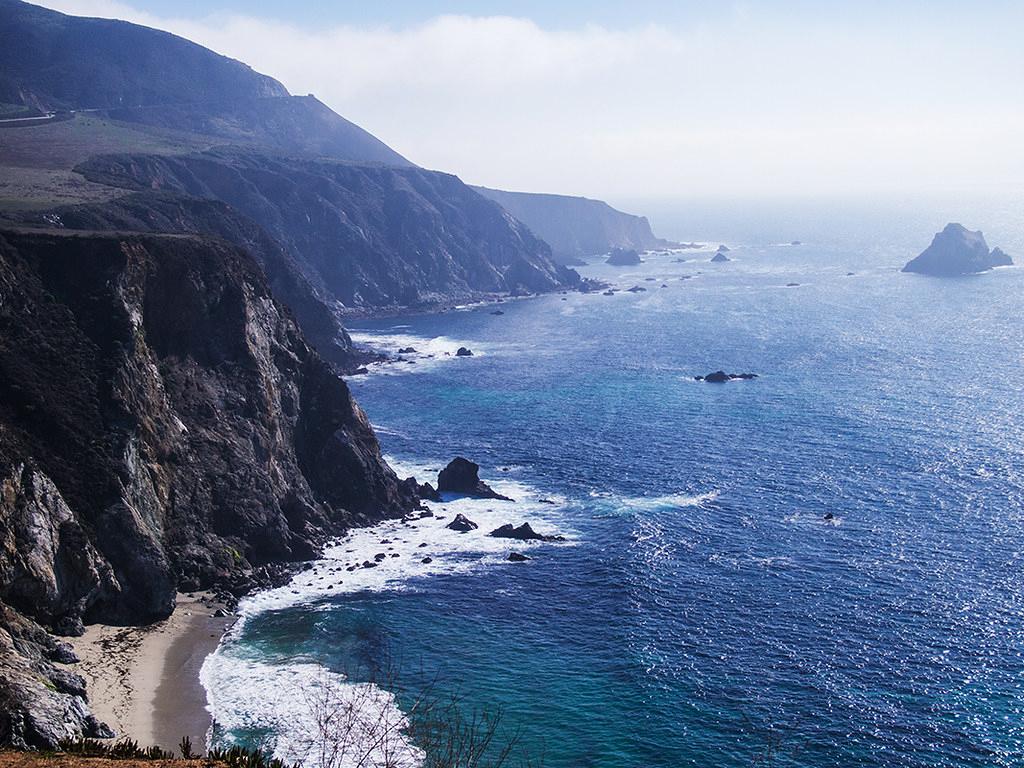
708 614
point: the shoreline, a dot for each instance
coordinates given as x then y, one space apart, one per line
144 683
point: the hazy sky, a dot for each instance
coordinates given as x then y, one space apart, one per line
650 98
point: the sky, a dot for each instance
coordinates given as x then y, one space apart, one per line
651 99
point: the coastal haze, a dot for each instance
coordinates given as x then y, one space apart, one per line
645 374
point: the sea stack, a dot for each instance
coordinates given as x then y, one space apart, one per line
623 257
956 251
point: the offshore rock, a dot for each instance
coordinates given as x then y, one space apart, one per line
463 476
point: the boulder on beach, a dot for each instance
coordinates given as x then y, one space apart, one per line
462 524
957 251
524 532
463 476
623 257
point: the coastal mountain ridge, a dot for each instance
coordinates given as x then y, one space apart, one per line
577 227
52 61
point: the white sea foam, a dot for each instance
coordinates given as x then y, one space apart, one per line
668 501
257 694
320 720
430 351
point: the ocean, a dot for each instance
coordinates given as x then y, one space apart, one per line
821 566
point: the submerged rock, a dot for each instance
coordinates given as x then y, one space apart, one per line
720 377
957 251
463 476
720 258
517 557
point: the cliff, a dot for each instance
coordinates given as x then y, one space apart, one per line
368 237
576 227
163 426
957 251
157 212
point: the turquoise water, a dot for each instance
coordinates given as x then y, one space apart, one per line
704 612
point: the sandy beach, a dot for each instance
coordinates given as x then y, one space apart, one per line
144 681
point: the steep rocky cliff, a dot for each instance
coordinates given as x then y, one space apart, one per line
576 227
370 237
159 212
163 425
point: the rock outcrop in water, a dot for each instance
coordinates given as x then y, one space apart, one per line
463 476
163 425
623 257
523 532
720 377
957 251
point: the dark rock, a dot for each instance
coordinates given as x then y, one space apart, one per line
427 560
523 533
220 613
516 557
407 351
720 377
623 257
424 490
796 242
464 352
462 476
462 524
792 285
723 249
497 312
637 289
957 251
719 258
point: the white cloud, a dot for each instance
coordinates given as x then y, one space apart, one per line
746 106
